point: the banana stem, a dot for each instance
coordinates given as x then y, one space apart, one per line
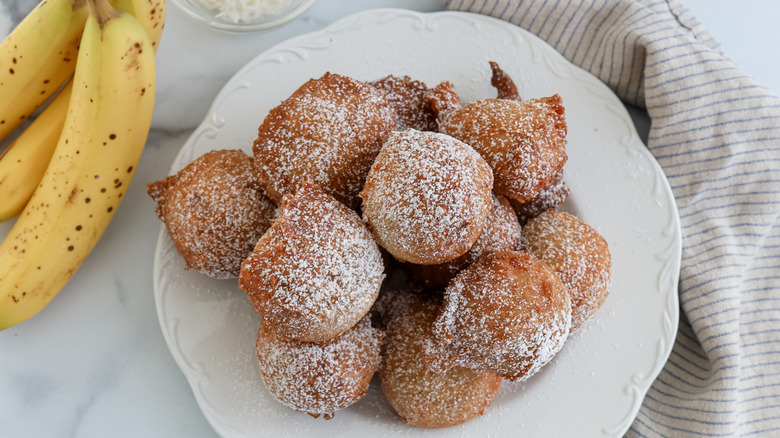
77 4
102 11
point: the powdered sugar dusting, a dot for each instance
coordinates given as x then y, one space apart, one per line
408 97
501 232
319 379
551 196
523 141
427 196
214 210
508 313
419 395
316 271
444 100
580 256
327 132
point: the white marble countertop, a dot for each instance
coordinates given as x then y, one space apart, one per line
94 362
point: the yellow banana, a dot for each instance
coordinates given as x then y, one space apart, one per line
151 14
37 58
105 131
22 165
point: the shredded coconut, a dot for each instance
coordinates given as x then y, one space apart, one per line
246 11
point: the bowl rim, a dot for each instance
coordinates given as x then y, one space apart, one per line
200 14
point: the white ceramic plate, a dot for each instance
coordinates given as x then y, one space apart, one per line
595 386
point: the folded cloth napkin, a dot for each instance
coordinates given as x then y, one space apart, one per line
716 133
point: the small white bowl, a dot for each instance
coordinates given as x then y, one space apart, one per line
198 10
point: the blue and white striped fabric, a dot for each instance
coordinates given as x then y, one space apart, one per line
716 133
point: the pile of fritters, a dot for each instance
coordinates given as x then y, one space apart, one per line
352 182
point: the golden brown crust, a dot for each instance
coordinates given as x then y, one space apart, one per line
505 86
319 379
315 276
444 100
423 397
523 141
501 232
508 313
408 97
427 196
158 190
316 271
214 211
550 198
327 132
580 256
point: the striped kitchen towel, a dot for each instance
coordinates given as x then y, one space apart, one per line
716 133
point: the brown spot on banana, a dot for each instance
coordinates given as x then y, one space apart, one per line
72 196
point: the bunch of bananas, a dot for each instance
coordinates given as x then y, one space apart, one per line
66 173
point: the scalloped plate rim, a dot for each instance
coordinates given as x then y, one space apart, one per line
671 312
